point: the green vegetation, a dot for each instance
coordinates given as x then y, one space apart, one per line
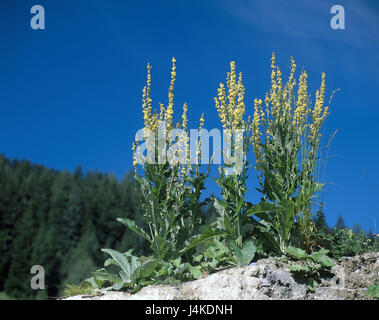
310 267
373 291
74 224
60 221
184 244
83 288
4 296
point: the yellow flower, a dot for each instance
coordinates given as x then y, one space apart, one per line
256 133
318 114
301 111
170 106
134 156
231 106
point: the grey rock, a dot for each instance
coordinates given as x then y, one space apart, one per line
267 279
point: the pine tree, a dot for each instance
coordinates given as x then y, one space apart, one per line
340 223
357 228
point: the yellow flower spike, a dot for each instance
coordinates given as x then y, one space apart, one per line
146 100
148 88
185 127
230 100
256 133
279 77
301 110
325 113
273 57
184 116
318 114
201 121
146 117
240 108
273 82
221 104
288 91
134 156
154 123
292 72
170 106
232 89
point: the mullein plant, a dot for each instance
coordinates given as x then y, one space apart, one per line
170 191
232 176
285 138
286 143
171 186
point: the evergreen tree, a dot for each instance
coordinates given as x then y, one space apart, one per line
320 221
357 228
340 222
61 221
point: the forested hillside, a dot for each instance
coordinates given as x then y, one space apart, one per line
61 221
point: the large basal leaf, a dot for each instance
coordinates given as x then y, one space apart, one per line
102 275
92 282
120 259
299 268
134 264
322 259
237 252
135 269
148 267
117 286
132 225
296 253
248 252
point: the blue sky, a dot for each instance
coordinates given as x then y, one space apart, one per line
71 94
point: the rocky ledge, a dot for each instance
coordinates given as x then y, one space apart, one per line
264 280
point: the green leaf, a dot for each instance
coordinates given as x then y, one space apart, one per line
226 220
120 259
198 258
203 237
117 286
195 271
103 275
220 206
323 259
262 208
92 282
237 252
176 262
248 252
373 291
182 268
240 204
312 284
132 225
163 246
244 255
296 253
148 267
299 268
